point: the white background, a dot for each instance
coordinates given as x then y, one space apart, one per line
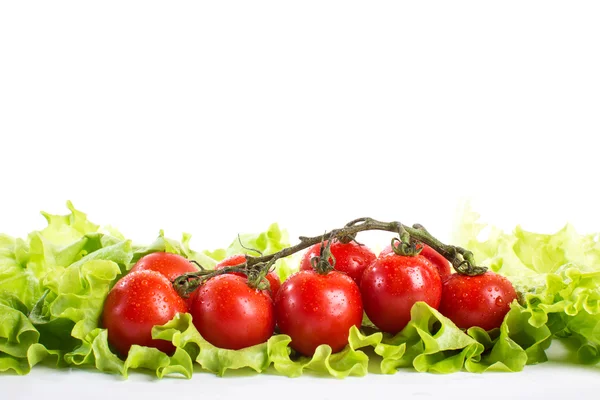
222 117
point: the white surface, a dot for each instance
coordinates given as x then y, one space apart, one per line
551 380
221 118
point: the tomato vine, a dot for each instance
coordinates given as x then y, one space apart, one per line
256 268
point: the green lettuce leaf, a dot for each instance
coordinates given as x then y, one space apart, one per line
53 286
165 244
276 351
347 362
183 334
432 343
98 353
192 348
65 229
16 279
558 276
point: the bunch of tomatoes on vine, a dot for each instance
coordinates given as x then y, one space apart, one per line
242 302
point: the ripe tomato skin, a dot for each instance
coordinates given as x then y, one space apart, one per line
443 266
237 259
169 264
350 258
231 315
316 309
134 305
481 300
393 284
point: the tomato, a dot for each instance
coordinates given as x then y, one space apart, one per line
134 305
169 264
481 300
230 314
393 284
443 266
274 282
316 309
351 258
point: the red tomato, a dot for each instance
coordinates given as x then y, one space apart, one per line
238 259
443 266
481 300
351 258
134 305
169 264
230 314
393 284
316 309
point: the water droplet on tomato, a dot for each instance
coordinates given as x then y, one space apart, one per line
489 289
499 301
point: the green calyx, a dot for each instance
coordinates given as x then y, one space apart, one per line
407 248
325 261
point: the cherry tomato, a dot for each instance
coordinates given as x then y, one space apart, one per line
134 305
443 266
169 264
316 309
351 258
230 314
481 300
274 282
393 284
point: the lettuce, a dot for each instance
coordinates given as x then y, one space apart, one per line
52 287
432 343
558 276
165 244
53 284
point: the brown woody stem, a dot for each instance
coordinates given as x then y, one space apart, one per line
461 259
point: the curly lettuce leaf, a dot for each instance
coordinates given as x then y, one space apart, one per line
432 343
557 274
139 357
275 351
168 245
52 287
20 349
66 229
183 334
347 362
15 278
192 348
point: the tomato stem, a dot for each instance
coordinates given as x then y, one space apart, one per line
405 246
256 268
462 260
325 262
187 283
